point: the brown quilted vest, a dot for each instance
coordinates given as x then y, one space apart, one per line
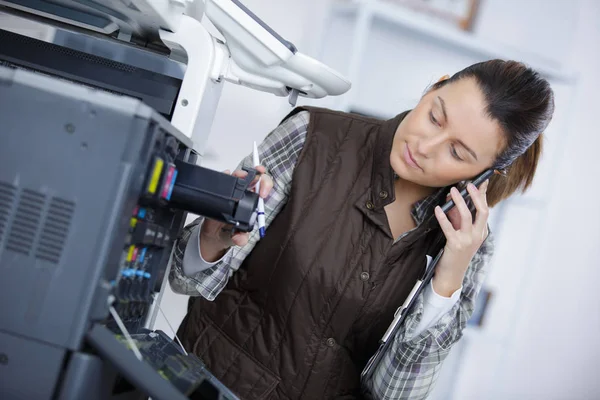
305 311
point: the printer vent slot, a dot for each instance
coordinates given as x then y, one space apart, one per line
8 194
55 230
26 222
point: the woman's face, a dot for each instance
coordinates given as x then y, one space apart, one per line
447 137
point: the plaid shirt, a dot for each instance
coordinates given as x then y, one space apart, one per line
411 366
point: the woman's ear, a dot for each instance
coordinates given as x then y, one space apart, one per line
443 78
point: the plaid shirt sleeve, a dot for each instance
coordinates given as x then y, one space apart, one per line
278 153
412 364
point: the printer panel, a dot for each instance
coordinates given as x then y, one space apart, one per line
83 212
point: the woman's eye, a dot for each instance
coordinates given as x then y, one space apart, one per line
432 118
454 153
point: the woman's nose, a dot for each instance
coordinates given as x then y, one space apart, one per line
429 145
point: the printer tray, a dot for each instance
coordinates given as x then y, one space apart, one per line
183 375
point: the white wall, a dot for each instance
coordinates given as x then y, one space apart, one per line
554 352
542 27
539 341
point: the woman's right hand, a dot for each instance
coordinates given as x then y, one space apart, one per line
216 237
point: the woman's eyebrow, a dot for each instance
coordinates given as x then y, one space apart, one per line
443 104
468 149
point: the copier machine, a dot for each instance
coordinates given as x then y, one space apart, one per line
105 107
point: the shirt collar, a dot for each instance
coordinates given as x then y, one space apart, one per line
424 207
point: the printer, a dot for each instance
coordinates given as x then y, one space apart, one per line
105 108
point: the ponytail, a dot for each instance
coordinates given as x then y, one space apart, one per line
519 175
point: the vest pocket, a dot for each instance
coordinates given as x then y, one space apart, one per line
232 365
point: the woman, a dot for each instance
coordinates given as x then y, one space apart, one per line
352 211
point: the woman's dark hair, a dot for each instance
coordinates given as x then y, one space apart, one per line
523 103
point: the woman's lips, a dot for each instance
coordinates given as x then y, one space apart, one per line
408 158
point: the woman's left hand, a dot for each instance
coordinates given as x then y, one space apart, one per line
463 238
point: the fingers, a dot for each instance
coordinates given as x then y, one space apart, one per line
240 238
266 185
444 222
266 182
240 173
233 238
468 237
480 200
466 219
